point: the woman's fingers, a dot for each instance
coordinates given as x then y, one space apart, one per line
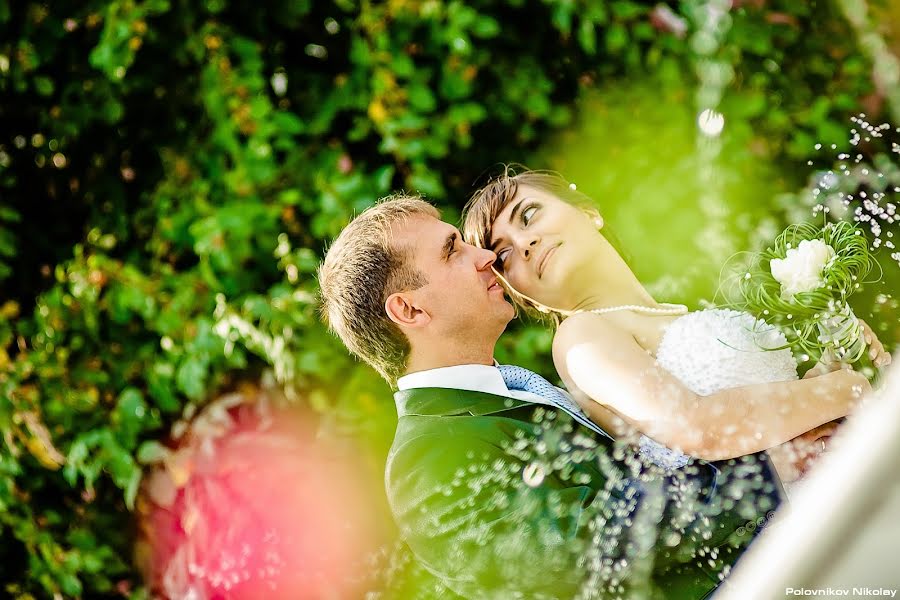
880 357
870 338
817 370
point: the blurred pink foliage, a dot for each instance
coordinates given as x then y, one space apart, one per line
249 504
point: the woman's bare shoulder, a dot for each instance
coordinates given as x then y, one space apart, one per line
587 327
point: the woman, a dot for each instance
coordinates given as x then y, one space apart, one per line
701 384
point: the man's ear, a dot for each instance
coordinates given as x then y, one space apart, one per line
402 310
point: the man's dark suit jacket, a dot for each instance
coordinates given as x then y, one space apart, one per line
496 505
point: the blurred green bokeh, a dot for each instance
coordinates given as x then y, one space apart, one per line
634 150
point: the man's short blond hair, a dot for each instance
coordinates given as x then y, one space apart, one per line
361 269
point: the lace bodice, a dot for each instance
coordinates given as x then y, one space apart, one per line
715 349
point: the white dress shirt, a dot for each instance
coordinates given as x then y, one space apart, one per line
472 378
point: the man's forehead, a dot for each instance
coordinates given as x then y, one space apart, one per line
422 231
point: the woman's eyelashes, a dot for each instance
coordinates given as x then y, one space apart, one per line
501 258
525 217
528 213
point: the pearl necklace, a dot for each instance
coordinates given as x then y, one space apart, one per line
664 309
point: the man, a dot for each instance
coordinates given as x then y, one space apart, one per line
500 492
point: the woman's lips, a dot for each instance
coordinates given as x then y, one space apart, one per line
544 258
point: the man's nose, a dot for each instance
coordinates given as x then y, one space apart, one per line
484 258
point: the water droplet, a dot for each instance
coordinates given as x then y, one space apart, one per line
316 51
279 83
711 122
533 475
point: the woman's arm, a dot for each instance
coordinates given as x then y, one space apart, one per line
608 366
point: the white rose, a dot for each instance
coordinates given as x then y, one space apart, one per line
802 269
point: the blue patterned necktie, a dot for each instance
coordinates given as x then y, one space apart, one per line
520 378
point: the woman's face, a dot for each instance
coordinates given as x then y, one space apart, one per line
540 241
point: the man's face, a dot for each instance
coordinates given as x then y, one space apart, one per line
462 296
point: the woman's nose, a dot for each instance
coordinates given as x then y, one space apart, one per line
528 247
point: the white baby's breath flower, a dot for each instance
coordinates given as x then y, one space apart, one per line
802 268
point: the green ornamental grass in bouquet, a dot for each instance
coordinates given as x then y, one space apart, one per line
803 284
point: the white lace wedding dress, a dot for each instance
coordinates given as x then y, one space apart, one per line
714 349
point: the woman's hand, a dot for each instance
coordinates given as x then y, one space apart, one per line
829 362
794 459
880 357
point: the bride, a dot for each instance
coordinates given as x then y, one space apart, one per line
702 384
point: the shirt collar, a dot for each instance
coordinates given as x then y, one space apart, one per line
473 378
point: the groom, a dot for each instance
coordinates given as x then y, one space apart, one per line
498 489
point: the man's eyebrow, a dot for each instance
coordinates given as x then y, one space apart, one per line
448 245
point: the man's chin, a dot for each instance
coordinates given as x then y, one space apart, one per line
509 312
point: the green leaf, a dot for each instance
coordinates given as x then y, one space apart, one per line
70 584
131 487
383 177
43 86
427 183
287 123
151 452
130 416
191 377
485 27
421 98
625 10
78 452
403 66
616 38
162 387
587 36
562 18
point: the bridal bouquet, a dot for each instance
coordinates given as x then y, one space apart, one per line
802 284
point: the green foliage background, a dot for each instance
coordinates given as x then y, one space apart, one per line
164 202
